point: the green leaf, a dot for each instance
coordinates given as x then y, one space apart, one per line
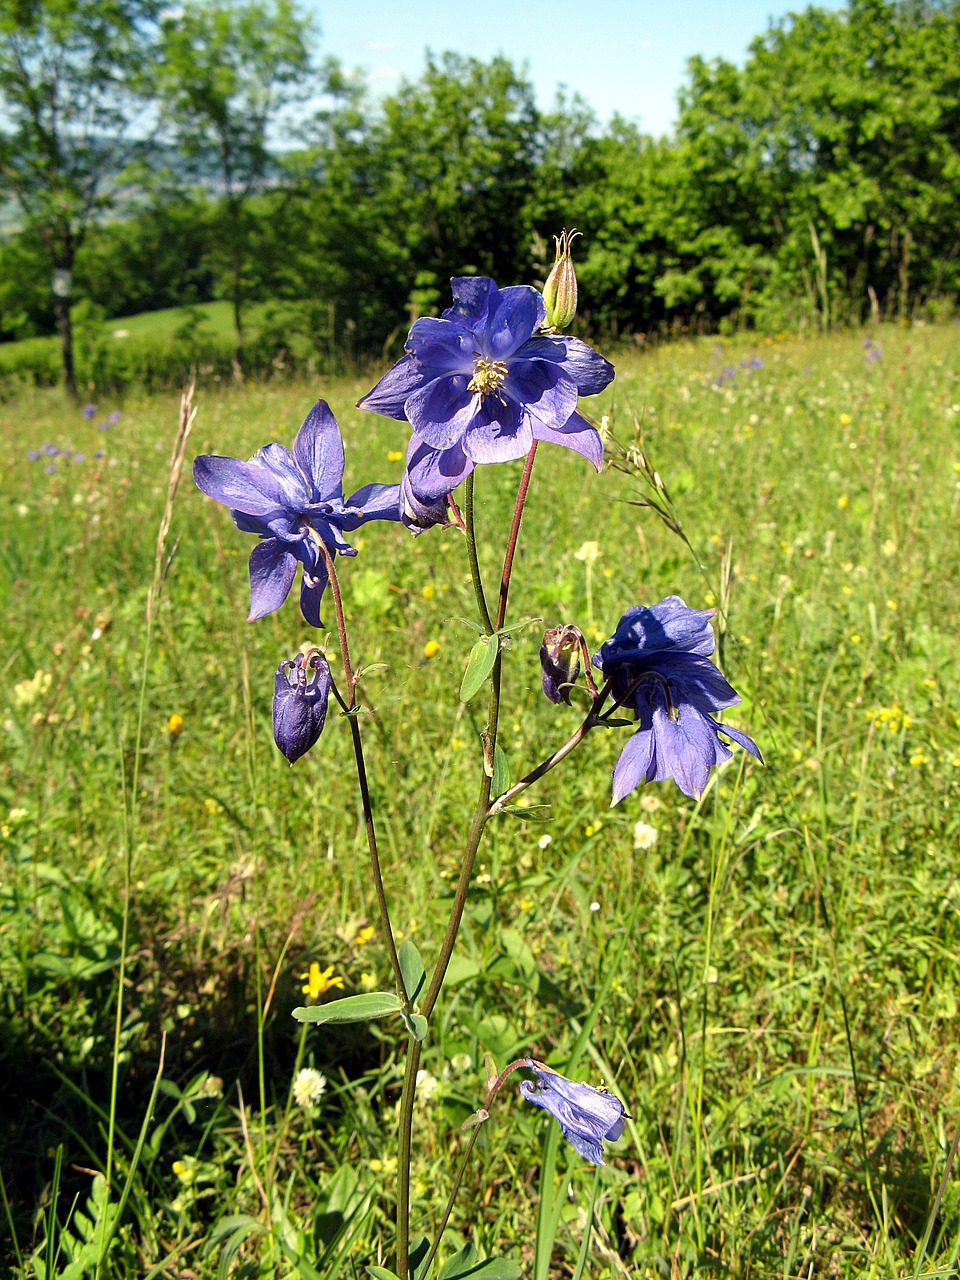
518 626
415 1023
528 812
381 1273
501 771
419 1249
469 1263
467 622
352 1008
483 655
411 966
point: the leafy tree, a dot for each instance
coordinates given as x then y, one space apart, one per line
67 103
229 78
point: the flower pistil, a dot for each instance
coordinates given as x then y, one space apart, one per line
488 377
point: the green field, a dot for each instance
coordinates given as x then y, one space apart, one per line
777 970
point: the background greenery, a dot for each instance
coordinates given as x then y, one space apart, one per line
818 184
783 962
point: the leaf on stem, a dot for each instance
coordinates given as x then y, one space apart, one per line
501 771
469 1263
376 1004
483 656
411 966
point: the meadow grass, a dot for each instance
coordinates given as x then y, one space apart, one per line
771 984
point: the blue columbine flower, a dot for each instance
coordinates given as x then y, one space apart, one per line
477 386
586 1115
294 501
301 689
658 663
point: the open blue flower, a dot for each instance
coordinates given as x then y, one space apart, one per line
477 386
294 502
586 1115
658 663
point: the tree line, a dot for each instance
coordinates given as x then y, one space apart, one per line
155 157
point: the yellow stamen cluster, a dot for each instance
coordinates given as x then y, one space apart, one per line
488 376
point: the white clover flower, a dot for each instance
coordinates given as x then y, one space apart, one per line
644 836
427 1085
308 1087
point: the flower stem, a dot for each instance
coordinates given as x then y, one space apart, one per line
341 621
372 843
514 535
474 561
474 836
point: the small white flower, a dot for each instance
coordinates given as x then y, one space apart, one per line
594 906
644 836
308 1086
649 803
544 841
427 1085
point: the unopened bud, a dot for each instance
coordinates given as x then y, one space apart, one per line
560 661
560 291
301 688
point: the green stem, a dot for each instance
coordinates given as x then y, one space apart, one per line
474 561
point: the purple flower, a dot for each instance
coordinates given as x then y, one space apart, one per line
50 450
79 457
100 454
114 417
103 426
560 662
34 455
89 410
586 1115
294 502
478 387
658 663
301 688
51 468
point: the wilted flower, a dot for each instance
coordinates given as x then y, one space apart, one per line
294 501
586 1115
301 688
478 387
560 661
658 663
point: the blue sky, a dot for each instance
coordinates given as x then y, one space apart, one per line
622 55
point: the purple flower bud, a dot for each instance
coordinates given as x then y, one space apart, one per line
560 660
300 691
560 291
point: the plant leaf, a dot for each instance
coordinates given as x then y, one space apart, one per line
411 966
501 772
376 1004
483 655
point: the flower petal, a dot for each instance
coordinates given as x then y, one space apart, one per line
686 749
372 502
272 568
585 366
515 315
247 487
634 765
441 346
543 389
311 592
473 299
390 394
434 473
576 434
441 411
318 450
500 432
737 735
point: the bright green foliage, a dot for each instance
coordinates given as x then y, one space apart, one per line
730 949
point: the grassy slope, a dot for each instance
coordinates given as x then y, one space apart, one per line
797 911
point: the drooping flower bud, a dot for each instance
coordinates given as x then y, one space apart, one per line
560 660
301 688
560 291
418 514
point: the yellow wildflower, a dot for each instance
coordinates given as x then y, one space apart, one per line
431 648
364 935
394 455
175 725
318 983
845 419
